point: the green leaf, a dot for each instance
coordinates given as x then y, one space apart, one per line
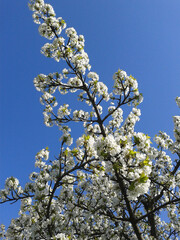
66 152
132 153
136 140
145 162
143 178
117 166
123 143
86 138
132 186
74 152
104 154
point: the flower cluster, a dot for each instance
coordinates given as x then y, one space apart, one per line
126 87
177 127
45 12
163 140
178 101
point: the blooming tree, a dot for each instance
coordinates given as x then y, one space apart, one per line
111 183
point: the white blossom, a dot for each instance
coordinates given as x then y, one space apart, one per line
178 101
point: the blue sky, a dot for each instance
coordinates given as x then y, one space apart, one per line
139 36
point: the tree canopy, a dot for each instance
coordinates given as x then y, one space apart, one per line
111 182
